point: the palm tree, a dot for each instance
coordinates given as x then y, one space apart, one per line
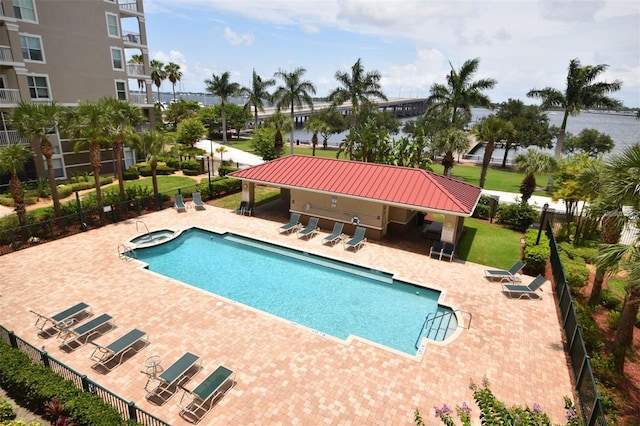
280 123
124 118
89 124
153 145
173 74
491 129
221 150
158 74
357 87
449 141
222 87
316 125
456 98
532 162
36 122
582 92
256 94
294 93
12 161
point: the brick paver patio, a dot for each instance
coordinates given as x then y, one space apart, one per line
285 373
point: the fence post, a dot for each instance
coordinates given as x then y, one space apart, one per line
45 358
159 202
53 234
85 383
133 411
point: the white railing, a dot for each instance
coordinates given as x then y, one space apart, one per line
9 96
135 69
5 54
132 38
138 98
11 137
130 6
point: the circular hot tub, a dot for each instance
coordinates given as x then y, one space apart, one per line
153 238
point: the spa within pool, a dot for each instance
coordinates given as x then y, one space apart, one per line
328 296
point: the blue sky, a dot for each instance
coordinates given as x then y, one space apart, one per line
522 44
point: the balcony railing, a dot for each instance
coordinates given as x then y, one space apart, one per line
130 6
11 137
9 96
138 98
135 69
5 54
132 38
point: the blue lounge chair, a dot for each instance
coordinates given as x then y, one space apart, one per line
525 290
111 356
358 239
63 319
447 251
73 339
179 203
505 276
181 371
293 225
197 201
336 235
310 230
436 249
242 207
204 397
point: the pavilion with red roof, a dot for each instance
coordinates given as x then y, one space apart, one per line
374 196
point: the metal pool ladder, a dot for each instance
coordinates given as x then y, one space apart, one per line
126 253
145 226
439 324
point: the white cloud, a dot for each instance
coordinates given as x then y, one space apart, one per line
237 39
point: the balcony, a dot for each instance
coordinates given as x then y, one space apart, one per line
138 98
128 6
6 57
132 38
9 96
135 70
11 137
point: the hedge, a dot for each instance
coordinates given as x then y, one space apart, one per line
535 256
36 385
517 216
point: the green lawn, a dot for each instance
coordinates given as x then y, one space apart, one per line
263 194
489 244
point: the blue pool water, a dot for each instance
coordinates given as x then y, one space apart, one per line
328 296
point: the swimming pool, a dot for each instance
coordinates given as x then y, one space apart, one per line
328 296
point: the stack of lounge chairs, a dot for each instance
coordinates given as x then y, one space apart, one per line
442 250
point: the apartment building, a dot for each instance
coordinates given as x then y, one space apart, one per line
67 51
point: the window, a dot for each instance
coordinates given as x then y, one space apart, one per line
38 86
31 48
112 25
116 58
25 10
121 90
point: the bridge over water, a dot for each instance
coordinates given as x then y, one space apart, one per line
399 107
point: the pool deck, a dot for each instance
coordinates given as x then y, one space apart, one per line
286 373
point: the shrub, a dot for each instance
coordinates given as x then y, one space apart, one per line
160 170
174 163
190 165
613 319
6 411
225 169
609 300
188 172
591 333
535 256
131 173
586 253
517 216
482 209
64 191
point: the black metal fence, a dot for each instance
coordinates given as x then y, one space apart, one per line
589 399
127 409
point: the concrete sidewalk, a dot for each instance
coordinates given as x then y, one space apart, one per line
231 154
536 201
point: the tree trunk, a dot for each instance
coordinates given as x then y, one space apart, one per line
447 162
488 152
15 188
117 148
596 290
47 151
293 126
94 155
609 234
314 142
277 143
624 335
154 178
224 123
504 157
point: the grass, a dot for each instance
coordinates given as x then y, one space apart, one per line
489 244
166 184
263 194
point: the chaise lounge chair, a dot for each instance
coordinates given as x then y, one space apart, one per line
310 230
436 249
358 239
197 201
242 207
447 251
180 372
63 319
505 276
336 235
525 290
73 339
111 356
179 203
204 397
293 225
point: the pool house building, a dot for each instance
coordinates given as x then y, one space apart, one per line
381 198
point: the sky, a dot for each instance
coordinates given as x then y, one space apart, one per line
522 44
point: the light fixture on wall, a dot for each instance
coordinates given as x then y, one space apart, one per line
245 186
334 201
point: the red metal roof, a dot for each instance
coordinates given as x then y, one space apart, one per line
413 188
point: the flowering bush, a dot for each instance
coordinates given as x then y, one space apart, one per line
495 412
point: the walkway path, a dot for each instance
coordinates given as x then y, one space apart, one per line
231 154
